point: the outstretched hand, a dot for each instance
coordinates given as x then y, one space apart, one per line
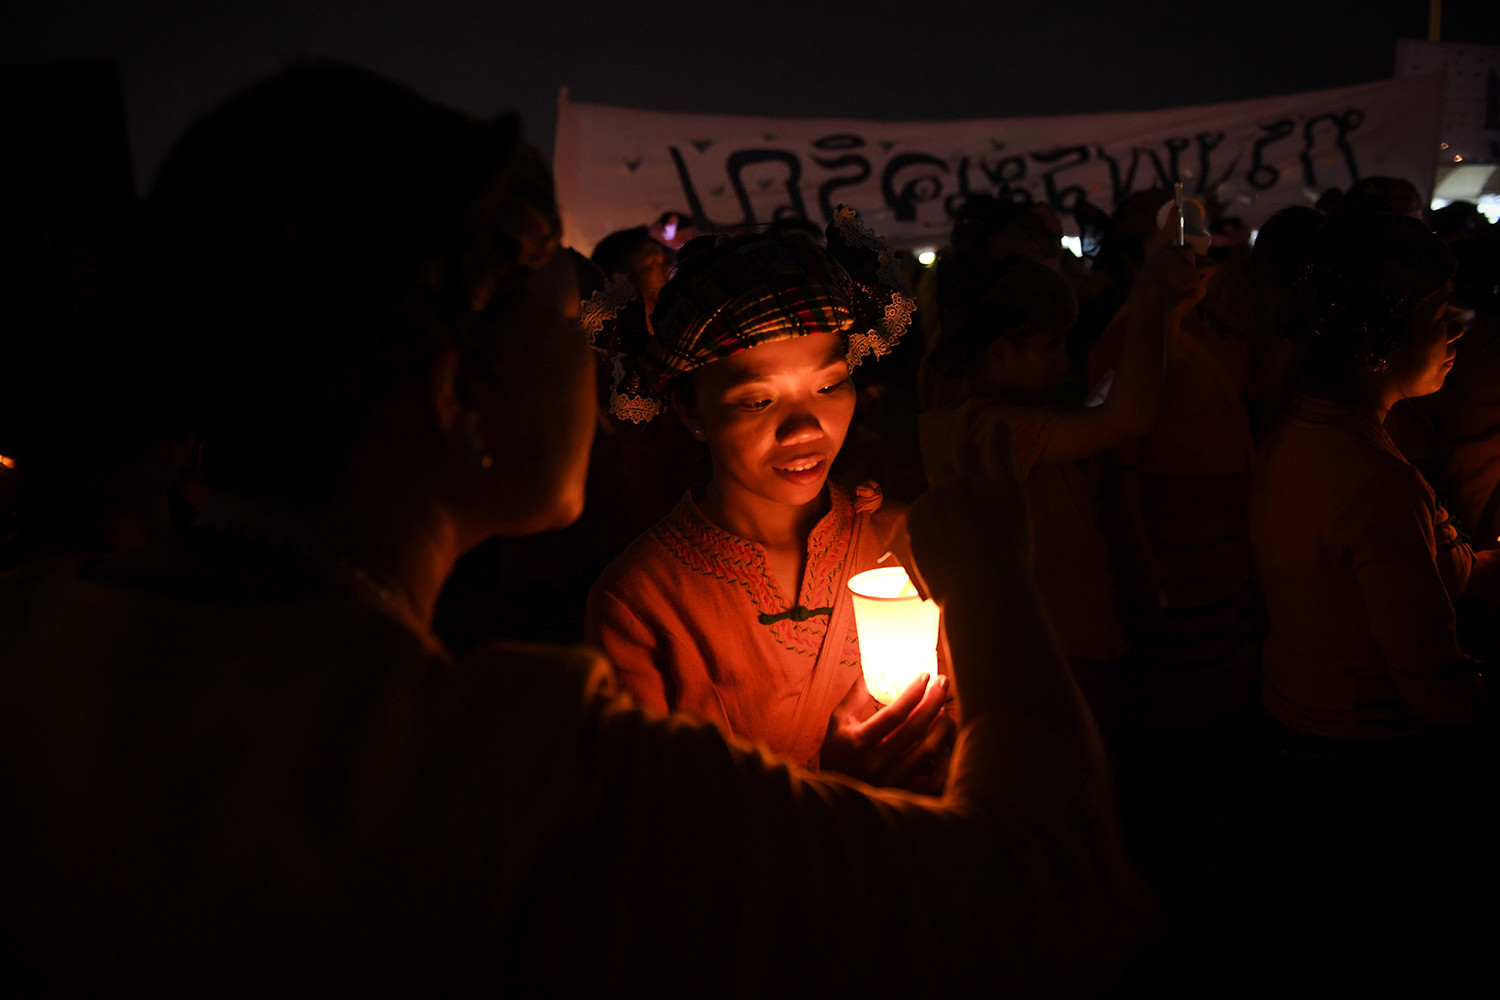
904 744
1171 281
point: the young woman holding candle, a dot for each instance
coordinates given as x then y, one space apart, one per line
735 607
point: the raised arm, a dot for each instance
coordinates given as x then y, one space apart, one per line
1165 290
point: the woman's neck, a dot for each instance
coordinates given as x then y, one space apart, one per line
773 525
1373 394
780 529
400 562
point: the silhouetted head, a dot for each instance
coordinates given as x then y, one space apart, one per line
635 254
321 234
1002 228
1279 265
1005 321
1371 282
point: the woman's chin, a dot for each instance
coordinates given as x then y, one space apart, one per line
801 494
560 510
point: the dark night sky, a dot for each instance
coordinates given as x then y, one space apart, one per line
877 59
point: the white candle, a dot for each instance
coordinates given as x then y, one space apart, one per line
898 631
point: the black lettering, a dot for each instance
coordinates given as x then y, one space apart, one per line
695 207
1343 124
1120 187
1063 199
1171 172
954 201
1207 143
926 186
1004 174
838 141
737 164
827 188
1262 175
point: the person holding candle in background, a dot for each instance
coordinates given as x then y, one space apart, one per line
735 607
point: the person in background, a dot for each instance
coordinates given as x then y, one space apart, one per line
240 762
635 254
1376 815
1358 563
1005 324
95 463
659 459
1469 477
1176 499
1383 195
995 229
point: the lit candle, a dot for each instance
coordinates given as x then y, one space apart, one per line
898 631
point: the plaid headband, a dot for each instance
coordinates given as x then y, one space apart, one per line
765 290
735 294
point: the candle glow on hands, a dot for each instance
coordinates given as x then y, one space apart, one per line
898 631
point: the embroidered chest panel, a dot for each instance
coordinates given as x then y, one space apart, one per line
797 626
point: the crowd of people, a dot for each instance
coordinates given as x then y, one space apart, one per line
412 603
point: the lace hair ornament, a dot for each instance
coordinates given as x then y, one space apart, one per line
883 310
614 320
730 294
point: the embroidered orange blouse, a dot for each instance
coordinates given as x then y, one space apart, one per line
693 621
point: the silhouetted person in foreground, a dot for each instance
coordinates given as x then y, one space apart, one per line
242 763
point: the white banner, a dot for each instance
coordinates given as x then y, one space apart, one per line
620 167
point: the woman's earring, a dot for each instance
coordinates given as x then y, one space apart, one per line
476 453
698 433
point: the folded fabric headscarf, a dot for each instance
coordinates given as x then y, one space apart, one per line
732 294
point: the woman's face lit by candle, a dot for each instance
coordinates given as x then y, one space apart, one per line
1423 362
774 417
538 401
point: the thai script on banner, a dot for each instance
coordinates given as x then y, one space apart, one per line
622 167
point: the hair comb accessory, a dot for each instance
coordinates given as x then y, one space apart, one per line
600 316
882 308
614 320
